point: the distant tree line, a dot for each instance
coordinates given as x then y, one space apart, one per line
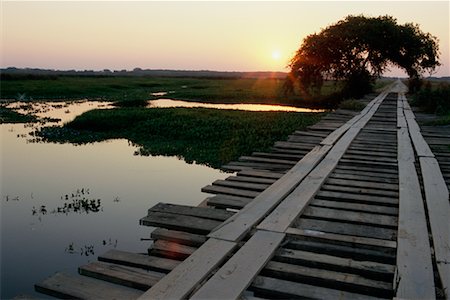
34 73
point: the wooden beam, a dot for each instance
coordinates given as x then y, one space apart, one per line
437 199
236 275
414 277
182 280
80 287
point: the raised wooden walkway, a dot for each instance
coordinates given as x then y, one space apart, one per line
357 206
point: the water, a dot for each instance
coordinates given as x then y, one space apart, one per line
51 219
240 106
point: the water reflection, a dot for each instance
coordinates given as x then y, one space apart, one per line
249 107
66 232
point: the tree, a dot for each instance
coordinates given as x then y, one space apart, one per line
357 50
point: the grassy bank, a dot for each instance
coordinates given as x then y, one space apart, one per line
434 98
230 90
206 136
8 115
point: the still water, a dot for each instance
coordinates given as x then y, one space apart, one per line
62 205
239 106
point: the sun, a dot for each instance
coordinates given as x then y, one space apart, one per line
276 55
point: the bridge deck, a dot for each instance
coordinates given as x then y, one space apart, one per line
355 207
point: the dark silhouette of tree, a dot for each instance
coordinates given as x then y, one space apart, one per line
358 49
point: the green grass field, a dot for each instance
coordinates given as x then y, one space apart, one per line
241 90
206 136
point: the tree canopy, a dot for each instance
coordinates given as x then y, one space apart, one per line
358 49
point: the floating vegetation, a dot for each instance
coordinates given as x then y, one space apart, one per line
86 250
75 202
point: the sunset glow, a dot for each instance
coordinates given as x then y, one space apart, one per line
208 35
276 55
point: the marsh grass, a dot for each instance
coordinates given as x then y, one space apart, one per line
206 136
214 90
8 115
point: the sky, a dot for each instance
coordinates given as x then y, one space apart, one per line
204 35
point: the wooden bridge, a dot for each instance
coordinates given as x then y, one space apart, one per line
357 207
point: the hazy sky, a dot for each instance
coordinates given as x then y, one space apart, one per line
229 35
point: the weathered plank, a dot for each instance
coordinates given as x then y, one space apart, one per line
239 271
251 179
261 174
180 237
414 278
147 262
132 277
80 287
171 250
363 184
374 209
355 241
331 279
179 283
201 212
361 176
369 269
242 222
346 228
357 190
179 222
216 189
277 288
223 201
350 216
421 146
437 199
361 252
241 185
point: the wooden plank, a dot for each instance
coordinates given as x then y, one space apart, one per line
179 222
261 174
251 179
437 199
147 262
421 146
201 212
360 252
365 174
179 283
126 276
287 211
377 171
242 222
356 190
277 288
268 160
345 239
414 278
258 165
241 185
80 287
180 237
346 228
340 204
368 269
223 201
215 189
171 250
350 216
363 184
236 275
326 278
368 177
